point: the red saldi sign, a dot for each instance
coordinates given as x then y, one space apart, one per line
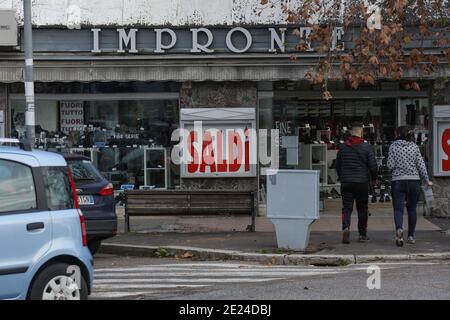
445 149
219 152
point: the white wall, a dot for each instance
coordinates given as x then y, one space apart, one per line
150 12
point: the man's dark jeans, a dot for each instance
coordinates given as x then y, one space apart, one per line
405 191
352 192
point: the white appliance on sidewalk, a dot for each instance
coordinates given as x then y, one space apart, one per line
293 205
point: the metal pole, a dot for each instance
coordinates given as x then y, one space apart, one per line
29 78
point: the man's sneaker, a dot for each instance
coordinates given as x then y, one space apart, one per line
346 236
363 238
399 238
411 240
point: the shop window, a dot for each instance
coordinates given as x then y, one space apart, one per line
415 114
46 117
326 122
113 133
312 130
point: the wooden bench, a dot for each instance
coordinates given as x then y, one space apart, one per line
189 202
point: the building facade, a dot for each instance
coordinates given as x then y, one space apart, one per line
113 78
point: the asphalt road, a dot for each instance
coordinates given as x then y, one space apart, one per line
150 278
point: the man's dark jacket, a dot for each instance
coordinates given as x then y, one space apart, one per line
355 161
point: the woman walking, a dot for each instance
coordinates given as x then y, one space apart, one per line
408 168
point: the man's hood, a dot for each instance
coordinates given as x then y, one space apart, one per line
353 141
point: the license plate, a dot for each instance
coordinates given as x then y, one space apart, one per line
85 200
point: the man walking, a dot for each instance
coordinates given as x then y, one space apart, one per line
355 165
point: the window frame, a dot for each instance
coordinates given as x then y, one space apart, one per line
41 201
44 190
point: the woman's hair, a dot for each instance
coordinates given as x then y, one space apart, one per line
403 133
411 137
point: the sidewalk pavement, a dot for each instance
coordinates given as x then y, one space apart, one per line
212 238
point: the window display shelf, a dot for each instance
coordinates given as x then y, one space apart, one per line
156 168
314 157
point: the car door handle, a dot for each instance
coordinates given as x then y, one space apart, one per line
35 226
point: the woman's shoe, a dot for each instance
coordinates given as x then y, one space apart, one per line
346 236
411 240
399 238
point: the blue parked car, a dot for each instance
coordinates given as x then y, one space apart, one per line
43 242
96 200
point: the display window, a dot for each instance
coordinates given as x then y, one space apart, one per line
113 133
311 131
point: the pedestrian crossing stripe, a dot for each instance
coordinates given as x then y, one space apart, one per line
116 283
185 280
217 274
156 280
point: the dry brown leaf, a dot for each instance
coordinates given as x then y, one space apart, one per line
365 51
407 39
319 78
327 95
374 60
187 255
415 86
422 29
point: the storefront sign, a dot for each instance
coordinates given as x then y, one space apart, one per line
8 28
166 39
192 41
442 140
71 116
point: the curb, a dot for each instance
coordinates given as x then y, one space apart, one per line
272 259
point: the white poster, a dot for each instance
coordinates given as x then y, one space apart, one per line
71 116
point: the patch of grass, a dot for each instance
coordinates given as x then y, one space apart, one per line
163 253
343 262
277 251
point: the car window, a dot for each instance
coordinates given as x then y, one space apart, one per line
58 188
17 190
83 171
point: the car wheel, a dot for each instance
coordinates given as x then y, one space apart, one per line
94 246
57 283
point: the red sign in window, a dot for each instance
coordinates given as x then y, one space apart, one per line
221 152
445 139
